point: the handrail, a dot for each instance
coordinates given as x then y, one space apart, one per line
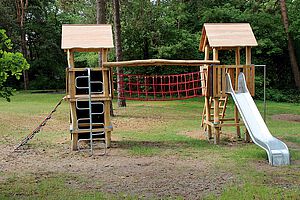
159 62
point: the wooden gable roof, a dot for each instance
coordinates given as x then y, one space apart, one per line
85 37
227 35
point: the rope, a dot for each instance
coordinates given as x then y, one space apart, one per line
38 128
160 87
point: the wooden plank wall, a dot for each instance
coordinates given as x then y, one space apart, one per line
217 81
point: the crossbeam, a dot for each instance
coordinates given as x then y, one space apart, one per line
159 62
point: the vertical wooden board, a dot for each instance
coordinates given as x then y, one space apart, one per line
219 79
248 77
203 80
237 72
72 88
223 81
237 63
111 83
67 81
211 81
253 80
214 78
237 56
248 55
231 73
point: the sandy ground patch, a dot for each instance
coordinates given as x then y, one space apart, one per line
287 117
145 177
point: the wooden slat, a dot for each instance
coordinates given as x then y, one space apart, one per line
223 81
219 78
253 81
214 81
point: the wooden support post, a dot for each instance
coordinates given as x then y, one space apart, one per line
248 62
215 54
216 101
207 109
236 111
106 85
71 91
216 121
206 53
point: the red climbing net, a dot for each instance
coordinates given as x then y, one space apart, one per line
160 87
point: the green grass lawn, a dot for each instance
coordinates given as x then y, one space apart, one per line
149 129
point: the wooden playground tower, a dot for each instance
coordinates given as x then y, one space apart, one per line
88 90
230 37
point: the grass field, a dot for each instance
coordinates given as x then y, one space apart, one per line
158 152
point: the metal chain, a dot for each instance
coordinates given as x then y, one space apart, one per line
38 128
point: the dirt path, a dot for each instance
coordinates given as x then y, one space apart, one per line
146 177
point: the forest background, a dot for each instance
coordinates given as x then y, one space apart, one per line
168 29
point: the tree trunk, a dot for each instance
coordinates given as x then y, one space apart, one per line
121 100
291 49
101 11
21 7
101 19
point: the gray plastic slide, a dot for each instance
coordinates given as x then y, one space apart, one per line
278 152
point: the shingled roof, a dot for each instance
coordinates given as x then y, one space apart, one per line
87 36
227 35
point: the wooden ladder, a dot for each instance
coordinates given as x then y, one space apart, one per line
222 109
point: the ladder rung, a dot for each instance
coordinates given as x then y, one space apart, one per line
98 113
97 103
82 87
98 134
96 82
97 92
81 119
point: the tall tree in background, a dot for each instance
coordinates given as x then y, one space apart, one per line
101 19
21 7
101 11
116 3
291 49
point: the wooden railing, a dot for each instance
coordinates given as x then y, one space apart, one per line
216 81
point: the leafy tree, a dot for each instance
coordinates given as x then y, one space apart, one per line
11 64
293 58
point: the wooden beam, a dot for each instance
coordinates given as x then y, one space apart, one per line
106 93
248 62
159 62
216 121
206 53
236 111
215 55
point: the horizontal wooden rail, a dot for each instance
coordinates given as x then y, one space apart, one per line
159 62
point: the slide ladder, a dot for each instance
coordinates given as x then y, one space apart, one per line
278 152
94 135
